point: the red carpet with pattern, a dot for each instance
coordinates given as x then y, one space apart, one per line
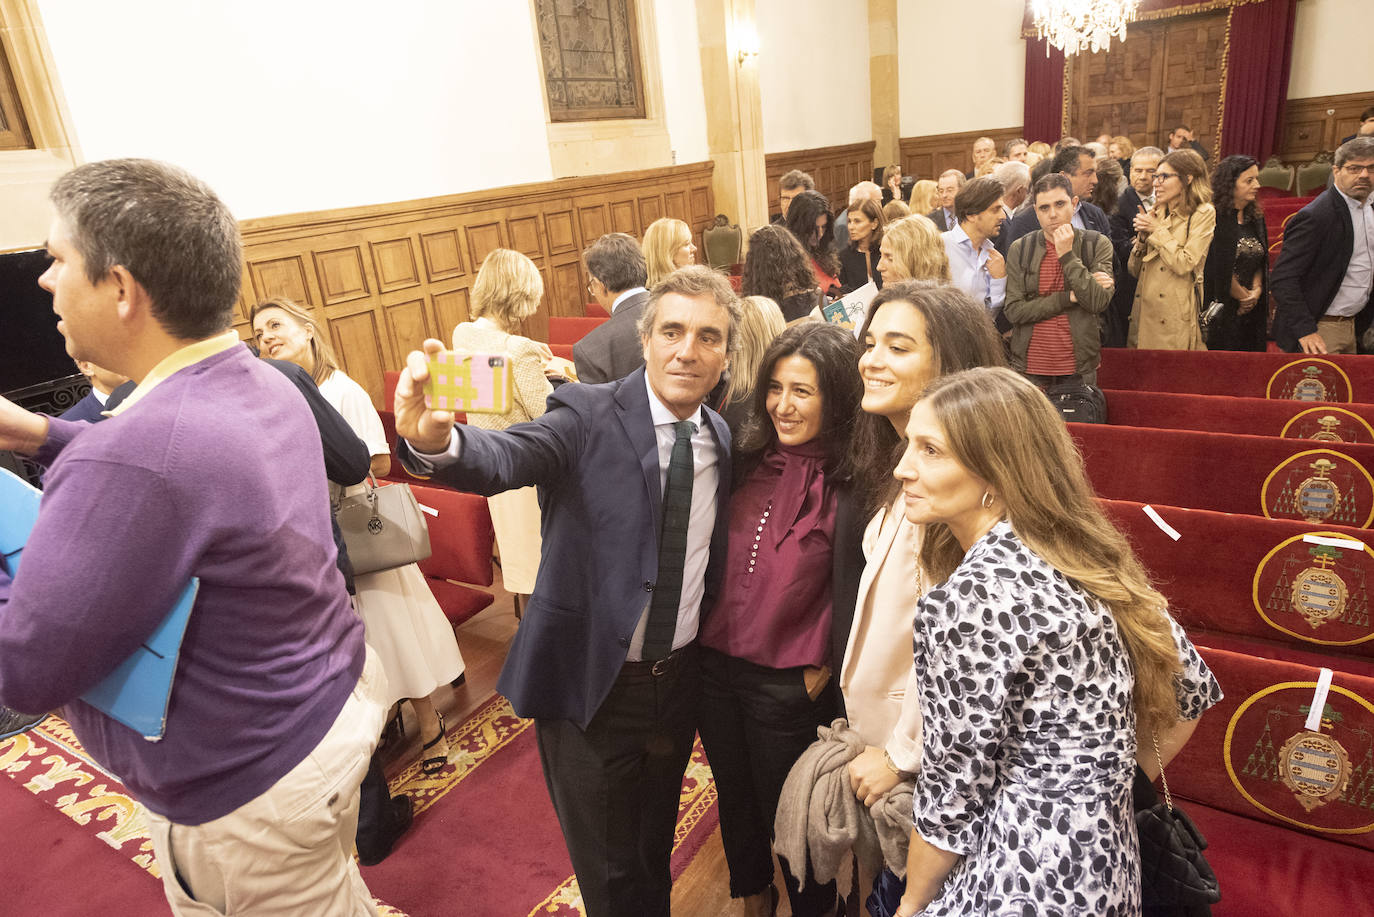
485 839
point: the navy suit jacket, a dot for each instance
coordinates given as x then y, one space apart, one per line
594 456
1317 244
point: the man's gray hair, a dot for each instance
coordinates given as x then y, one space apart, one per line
166 228
695 280
796 178
1013 175
865 189
1358 148
1152 152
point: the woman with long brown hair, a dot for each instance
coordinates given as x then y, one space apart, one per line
1041 653
1171 245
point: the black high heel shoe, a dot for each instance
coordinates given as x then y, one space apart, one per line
433 765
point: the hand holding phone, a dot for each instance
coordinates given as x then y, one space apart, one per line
474 383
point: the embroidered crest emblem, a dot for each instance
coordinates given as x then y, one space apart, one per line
1309 379
1320 485
1317 591
1328 425
1314 767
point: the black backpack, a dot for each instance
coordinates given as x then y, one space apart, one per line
1078 402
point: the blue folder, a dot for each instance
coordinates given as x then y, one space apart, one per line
138 691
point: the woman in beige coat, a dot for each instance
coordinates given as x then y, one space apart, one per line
1170 250
507 291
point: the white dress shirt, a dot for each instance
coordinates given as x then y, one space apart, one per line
969 269
701 523
626 295
1353 294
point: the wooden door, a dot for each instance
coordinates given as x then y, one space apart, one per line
1165 74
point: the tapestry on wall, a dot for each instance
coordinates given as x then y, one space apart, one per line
590 54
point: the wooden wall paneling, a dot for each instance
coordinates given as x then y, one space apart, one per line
407 325
382 277
443 253
928 156
836 169
393 261
362 348
1309 130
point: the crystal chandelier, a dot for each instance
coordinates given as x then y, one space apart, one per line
1077 25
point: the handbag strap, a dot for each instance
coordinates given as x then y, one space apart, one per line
1168 800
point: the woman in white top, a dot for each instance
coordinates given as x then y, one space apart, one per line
914 332
507 291
405 625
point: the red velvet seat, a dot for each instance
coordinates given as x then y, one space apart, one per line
461 538
1351 422
1222 472
568 330
1235 574
1336 377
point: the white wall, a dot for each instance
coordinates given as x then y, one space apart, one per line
286 106
813 73
1331 48
684 101
946 86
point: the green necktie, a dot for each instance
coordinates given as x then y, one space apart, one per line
672 546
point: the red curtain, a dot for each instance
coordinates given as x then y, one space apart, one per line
1044 108
1261 51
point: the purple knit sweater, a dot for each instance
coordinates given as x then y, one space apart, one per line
216 473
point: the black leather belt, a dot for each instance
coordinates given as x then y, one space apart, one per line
657 667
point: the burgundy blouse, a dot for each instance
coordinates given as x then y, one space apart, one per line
775 605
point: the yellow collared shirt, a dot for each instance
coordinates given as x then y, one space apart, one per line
174 362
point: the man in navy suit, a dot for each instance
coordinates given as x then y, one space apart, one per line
614 718
612 350
1080 166
1140 193
1323 282
103 384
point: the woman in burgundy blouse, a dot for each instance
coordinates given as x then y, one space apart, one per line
766 642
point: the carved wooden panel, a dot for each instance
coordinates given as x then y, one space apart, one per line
358 344
280 277
394 262
408 325
451 310
832 167
675 205
928 156
1308 129
650 209
1166 73
443 254
558 229
341 274
390 275
623 217
524 235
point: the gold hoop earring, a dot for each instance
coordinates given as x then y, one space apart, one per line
988 499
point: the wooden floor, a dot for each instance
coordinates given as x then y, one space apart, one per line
702 891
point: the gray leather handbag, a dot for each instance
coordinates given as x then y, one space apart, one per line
383 527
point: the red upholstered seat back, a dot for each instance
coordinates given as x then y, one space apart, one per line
1334 377
1260 578
1257 475
1353 423
460 535
389 387
566 329
1252 754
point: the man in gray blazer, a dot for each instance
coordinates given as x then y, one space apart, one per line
614 349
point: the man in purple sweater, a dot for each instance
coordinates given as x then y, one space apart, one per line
213 468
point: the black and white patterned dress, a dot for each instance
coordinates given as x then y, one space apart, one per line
1029 744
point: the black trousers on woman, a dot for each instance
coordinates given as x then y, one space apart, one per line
755 723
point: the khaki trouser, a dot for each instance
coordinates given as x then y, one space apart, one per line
1338 333
290 850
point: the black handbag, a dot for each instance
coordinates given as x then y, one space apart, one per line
1077 401
1175 878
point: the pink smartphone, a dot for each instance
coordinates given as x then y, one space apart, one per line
474 383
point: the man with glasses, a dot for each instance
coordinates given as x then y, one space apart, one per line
612 350
1324 278
1140 193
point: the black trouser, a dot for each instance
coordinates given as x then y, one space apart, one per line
616 785
755 723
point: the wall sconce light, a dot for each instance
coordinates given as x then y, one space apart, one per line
747 39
